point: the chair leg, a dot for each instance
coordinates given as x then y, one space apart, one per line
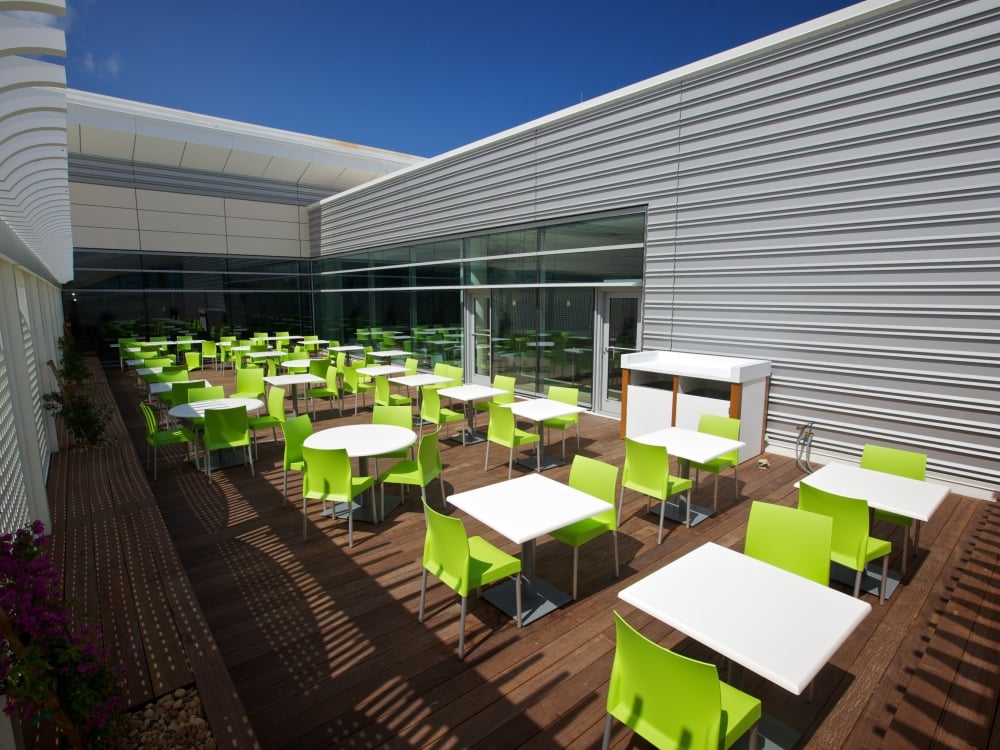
607 732
350 519
305 518
614 537
857 584
906 542
715 495
423 594
510 462
754 737
461 631
486 463
659 538
621 502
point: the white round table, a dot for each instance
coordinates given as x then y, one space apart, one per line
197 409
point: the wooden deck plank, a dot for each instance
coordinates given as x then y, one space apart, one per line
323 646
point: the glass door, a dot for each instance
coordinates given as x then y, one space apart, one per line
618 334
478 337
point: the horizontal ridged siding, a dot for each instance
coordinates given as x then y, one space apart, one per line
831 204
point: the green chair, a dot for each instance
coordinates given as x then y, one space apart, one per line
504 382
790 538
647 471
398 416
328 478
329 391
249 383
564 395
275 414
504 431
226 428
727 427
385 397
598 479
178 394
204 393
463 563
354 384
192 361
903 463
673 701
155 437
294 431
432 412
852 545
420 472
209 352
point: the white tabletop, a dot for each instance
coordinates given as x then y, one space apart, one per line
265 355
155 388
901 495
527 507
292 363
198 408
376 370
143 371
418 380
360 440
294 379
470 392
347 348
690 445
391 353
777 624
540 409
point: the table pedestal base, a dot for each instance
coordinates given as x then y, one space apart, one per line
676 510
365 513
871 579
538 598
546 463
226 457
470 438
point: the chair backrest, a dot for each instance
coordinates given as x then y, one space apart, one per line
903 463
502 424
250 380
327 473
295 431
506 383
350 379
790 538
341 361
850 520
668 699
455 373
400 416
381 389
228 426
276 403
410 365
429 456
173 375
147 413
179 392
564 394
208 348
727 427
446 550
646 466
430 405
206 393
158 362
318 366
596 478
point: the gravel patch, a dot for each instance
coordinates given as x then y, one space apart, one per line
176 720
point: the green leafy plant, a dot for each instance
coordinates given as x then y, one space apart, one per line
48 670
73 402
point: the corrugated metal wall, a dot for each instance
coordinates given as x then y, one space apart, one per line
830 202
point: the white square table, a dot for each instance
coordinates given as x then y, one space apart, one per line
687 446
294 381
418 381
468 394
523 509
775 623
388 354
538 410
362 441
912 498
376 370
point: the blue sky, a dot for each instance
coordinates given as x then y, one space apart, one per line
416 77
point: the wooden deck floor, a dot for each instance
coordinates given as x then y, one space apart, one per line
323 645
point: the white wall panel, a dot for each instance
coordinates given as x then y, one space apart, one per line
827 200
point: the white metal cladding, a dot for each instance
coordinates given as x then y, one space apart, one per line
829 201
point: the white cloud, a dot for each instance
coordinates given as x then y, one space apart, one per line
108 67
42 19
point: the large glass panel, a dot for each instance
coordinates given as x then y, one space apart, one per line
594 267
602 232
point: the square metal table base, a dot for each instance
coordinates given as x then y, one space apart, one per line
548 462
675 510
538 598
871 579
365 513
471 438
